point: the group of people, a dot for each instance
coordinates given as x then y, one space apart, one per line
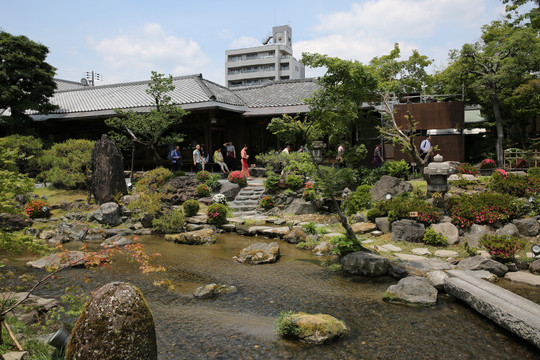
224 156
287 150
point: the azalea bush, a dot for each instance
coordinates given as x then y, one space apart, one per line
202 176
482 208
521 164
267 202
488 164
202 190
466 168
238 177
501 247
513 184
37 209
191 207
216 214
401 208
220 199
310 192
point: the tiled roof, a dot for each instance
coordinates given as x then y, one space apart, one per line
63 85
279 93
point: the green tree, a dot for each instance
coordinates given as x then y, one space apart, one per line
494 67
28 150
150 129
26 80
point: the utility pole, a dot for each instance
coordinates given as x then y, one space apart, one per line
91 76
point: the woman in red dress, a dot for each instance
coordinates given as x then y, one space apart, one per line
245 165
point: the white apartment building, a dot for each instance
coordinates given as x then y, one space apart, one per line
272 61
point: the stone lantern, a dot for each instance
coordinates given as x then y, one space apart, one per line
317 150
438 172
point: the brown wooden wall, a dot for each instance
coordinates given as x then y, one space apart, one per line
432 115
451 147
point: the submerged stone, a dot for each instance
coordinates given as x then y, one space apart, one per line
412 290
259 253
116 324
199 237
313 328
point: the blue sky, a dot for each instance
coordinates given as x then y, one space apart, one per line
125 40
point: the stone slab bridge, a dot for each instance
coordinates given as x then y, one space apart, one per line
511 311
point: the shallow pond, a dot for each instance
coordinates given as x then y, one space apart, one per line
240 325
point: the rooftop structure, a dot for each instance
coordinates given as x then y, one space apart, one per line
272 61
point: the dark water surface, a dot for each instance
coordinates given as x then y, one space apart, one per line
240 325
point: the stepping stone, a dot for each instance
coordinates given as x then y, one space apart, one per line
368 241
446 253
523 277
408 257
362 228
391 247
421 251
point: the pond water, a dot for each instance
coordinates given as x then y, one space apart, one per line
240 325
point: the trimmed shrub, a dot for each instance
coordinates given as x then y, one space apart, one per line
344 245
202 176
501 247
466 168
154 180
286 326
482 208
488 164
169 223
521 164
238 177
216 214
431 237
294 182
398 169
513 184
37 209
358 200
267 202
202 190
398 208
271 183
220 199
191 207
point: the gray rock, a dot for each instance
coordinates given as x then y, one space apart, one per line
108 214
383 224
449 230
125 323
389 185
412 290
527 227
523 277
437 278
483 274
257 172
230 190
508 230
446 253
116 241
359 217
323 248
418 265
482 263
317 329
301 207
16 355
213 290
535 267
259 253
146 220
12 222
407 230
107 171
198 237
70 258
473 235
365 263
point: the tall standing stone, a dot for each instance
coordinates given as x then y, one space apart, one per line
115 324
107 171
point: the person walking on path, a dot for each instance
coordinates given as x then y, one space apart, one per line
425 146
377 156
176 159
230 155
218 159
197 158
245 165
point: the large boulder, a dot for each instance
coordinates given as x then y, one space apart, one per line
108 214
389 185
181 188
407 230
65 259
66 232
107 171
259 253
296 235
473 235
449 230
116 324
508 230
12 222
383 224
482 263
363 228
527 227
301 207
412 290
198 237
365 263
535 267
313 328
230 190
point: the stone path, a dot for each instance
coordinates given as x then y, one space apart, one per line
511 311
246 203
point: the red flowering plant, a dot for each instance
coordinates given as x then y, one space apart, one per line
202 176
500 172
482 208
202 190
521 164
267 202
310 191
37 209
501 247
216 214
466 168
513 184
488 164
238 177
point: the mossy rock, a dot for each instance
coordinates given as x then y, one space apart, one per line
115 325
199 237
314 328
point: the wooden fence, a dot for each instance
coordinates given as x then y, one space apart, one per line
513 158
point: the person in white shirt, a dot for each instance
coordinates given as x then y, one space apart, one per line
425 146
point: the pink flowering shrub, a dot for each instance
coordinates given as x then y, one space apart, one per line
501 247
396 209
202 176
521 164
216 214
488 164
238 177
513 184
482 208
37 209
466 168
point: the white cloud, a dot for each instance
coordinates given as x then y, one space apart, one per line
150 48
244 42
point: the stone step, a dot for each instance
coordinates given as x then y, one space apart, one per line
243 214
247 197
242 208
511 311
245 202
